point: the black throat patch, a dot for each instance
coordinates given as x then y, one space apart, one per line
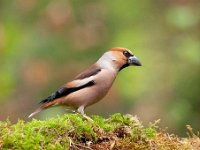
124 66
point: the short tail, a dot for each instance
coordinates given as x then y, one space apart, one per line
43 106
35 112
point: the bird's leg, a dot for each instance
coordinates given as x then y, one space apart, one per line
81 111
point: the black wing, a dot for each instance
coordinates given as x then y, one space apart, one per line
64 91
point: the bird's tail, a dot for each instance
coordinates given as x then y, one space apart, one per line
43 106
35 112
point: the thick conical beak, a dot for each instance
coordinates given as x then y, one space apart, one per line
132 60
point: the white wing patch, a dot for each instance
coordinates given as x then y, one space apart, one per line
82 82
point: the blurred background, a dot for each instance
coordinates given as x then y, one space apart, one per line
44 44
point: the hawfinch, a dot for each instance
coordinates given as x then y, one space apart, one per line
91 85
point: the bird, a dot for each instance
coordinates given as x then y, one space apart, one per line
91 85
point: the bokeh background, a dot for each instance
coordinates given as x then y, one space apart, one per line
45 43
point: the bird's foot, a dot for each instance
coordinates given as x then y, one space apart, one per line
87 118
81 111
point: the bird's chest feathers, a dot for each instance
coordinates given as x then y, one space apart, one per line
105 80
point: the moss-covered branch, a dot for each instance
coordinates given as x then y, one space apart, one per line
71 131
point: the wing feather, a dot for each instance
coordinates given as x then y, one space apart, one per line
64 91
83 80
93 70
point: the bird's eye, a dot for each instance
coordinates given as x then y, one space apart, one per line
126 53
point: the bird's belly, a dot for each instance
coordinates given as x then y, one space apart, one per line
90 95
86 96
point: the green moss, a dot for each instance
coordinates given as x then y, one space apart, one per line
71 130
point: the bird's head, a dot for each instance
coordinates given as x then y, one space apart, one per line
118 58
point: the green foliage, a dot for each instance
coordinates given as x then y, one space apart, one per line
72 130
